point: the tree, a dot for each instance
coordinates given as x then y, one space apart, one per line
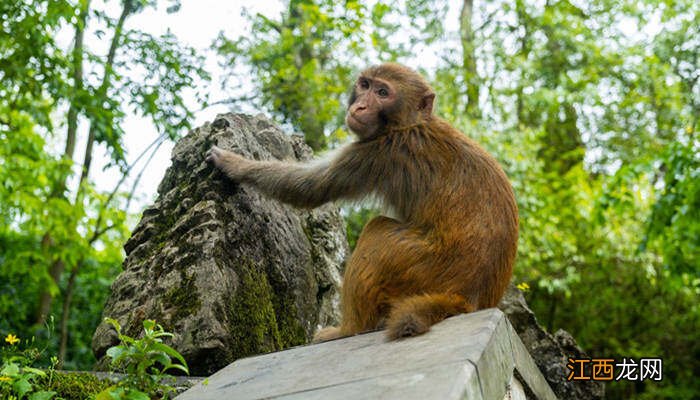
300 74
58 233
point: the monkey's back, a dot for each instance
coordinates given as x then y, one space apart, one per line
446 185
485 226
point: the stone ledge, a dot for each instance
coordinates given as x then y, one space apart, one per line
470 356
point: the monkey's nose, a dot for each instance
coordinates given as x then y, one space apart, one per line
358 111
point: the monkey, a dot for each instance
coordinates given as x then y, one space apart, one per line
451 242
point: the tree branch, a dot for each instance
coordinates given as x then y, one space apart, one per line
140 174
230 100
77 80
97 232
102 91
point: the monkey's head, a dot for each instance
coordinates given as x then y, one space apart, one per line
388 96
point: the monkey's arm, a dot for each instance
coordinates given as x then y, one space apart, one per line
298 184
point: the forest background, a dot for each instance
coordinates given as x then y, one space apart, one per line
592 107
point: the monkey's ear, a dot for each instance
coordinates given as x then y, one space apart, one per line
426 103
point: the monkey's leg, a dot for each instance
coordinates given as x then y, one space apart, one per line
414 315
381 270
326 334
393 280
365 303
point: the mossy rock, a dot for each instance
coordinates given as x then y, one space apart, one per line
73 385
229 271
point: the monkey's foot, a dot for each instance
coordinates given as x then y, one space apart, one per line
326 334
409 325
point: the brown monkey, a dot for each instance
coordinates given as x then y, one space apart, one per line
451 246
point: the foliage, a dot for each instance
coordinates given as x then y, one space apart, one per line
18 379
293 60
673 225
617 160
61 239
145 362
356 219
304 61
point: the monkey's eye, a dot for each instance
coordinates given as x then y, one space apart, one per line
383 92
364 83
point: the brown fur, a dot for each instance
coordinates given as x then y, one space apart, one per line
415 314
452 245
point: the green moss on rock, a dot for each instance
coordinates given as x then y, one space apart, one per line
262 317
163 225
291 331
73 385
183 298
252 316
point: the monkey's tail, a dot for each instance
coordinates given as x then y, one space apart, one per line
414 315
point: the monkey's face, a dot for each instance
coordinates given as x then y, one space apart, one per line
372 104
388 96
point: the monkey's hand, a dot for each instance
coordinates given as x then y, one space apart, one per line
230 163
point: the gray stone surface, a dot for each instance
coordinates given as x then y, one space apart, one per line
469 356
228 270
515 391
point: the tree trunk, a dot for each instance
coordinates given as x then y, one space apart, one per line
562 145
102 91
45 298
67 299
87 162
57 267
523 53
471 77
77 80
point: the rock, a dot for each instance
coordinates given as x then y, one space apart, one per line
229 271
550 352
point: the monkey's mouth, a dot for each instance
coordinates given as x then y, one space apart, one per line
355 124
352 118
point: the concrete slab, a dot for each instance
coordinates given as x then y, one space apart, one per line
469 356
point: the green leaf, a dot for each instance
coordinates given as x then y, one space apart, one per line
22 387
10 369
177 366
114 323
136 395
34 371
110 393
169 351
158 356
149 324
115 352
42 395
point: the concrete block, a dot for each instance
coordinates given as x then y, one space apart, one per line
470 356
